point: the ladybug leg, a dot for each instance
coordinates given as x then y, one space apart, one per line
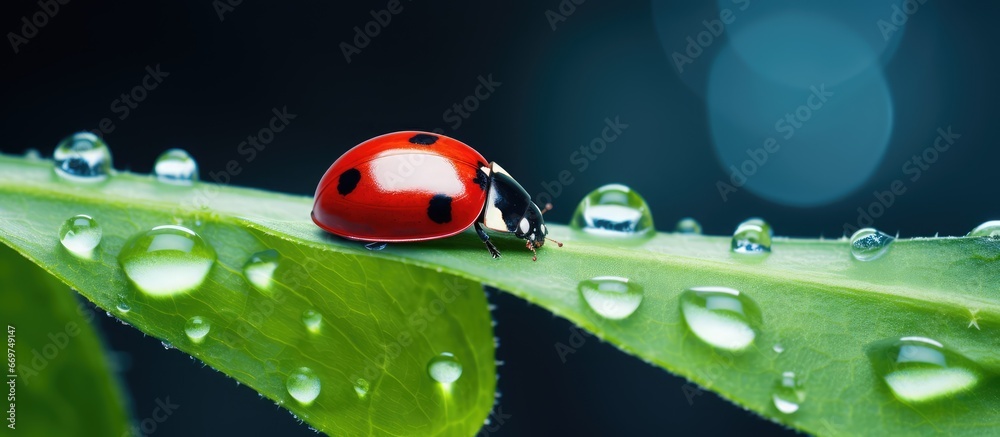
486 239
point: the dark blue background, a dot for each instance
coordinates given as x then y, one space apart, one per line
557 87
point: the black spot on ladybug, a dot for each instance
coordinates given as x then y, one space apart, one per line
481 178
423 139
348 181
439 210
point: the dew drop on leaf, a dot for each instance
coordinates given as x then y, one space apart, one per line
197 328
167 260
788 393
361 387
688 225
313 320
82 157
987 229
177 167
444 368
919 369
868 244
611 297
303 385
613 210
753 237
259 270
721 317
80 234
123 307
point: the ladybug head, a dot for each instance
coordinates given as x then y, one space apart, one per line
531 227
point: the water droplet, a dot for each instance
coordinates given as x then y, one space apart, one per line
33 154
688 225
361 387
123 307
177 167
611 297
83 157
80 235
303 385
259 270
167 260
720 316
166 345
444 368
753 236
197 328
375 246
919 369
778 348
788 393
313 320
613 210
988 229
868 244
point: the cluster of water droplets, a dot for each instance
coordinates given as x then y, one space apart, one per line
171 260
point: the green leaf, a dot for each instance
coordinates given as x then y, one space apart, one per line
64 385
381 321
822 306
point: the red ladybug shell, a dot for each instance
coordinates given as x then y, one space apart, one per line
402 186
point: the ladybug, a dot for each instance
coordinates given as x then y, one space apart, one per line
416 186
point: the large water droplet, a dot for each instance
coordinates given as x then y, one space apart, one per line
688 225
919 369
868 244
361 387
303 385
259 270
167 260
82 156
197 328
123 307
176 166
720 316
788 394
444 368
611 297
313 320
752 237
80 235
613 210
987 229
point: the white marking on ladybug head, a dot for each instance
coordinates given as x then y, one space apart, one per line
524 225
498 169
532 236
544 230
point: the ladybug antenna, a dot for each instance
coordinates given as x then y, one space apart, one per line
548 207
554 241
